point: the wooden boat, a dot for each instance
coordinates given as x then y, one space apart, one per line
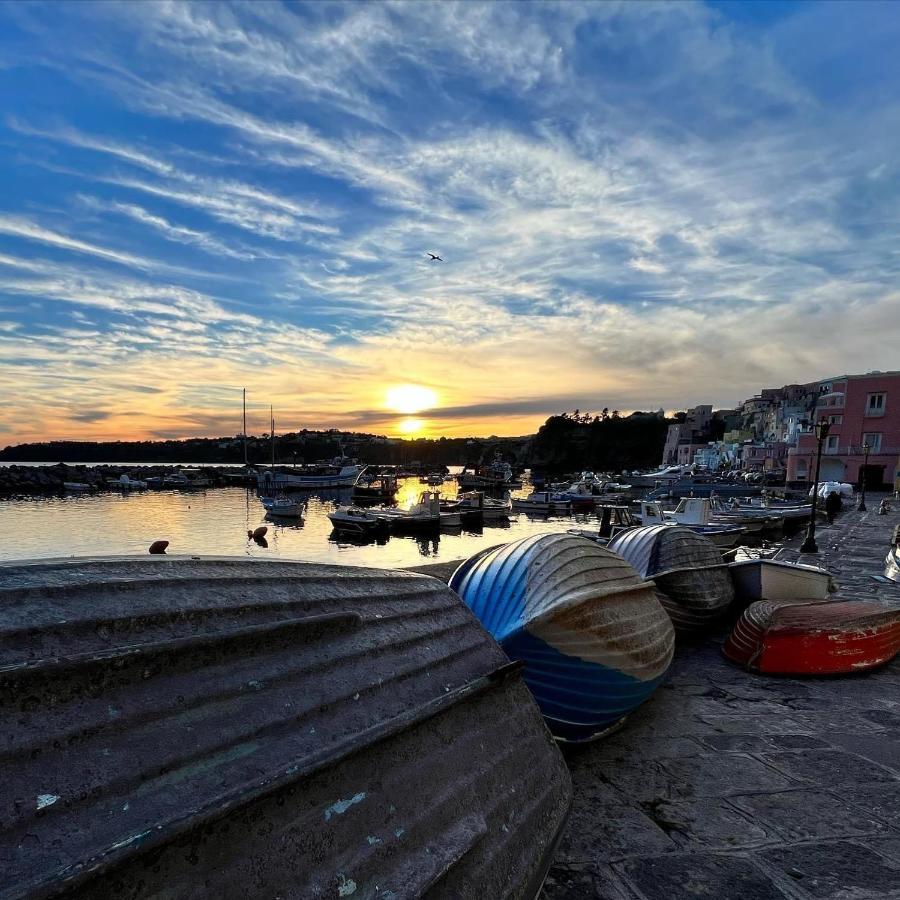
766 578
238 728
593 636
687 568
815 638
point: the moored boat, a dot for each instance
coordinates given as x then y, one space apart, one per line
283 506
593 636
766 578
543 502
355 520
815 638
692 513
249 728
687 568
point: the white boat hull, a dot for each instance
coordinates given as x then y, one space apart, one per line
772 579
271 481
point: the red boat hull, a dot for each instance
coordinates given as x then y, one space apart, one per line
819 638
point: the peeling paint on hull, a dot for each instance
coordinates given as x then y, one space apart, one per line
815 638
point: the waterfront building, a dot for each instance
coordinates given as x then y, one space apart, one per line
685 438
861 410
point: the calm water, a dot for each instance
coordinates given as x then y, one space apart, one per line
217 521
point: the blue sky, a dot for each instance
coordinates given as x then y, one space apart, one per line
638 206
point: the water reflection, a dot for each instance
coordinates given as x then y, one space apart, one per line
217 522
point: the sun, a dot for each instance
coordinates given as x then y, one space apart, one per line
410 427
410 398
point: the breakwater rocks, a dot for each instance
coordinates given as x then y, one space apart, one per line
86 478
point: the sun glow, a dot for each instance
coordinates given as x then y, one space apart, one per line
410 398
410 427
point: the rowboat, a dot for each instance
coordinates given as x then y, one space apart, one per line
593 636
762 578
239 728
815 638
687 568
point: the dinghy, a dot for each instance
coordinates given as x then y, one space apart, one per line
687 568
593 636
815 638
758 577
236 728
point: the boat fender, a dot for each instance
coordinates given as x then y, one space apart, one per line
259 532
158 547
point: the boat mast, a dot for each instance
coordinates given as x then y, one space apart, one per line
244 433
272 417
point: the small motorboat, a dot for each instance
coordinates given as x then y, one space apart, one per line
760 577
283 506
425 513
77 487
356 520
815 638
593 636
688 569
693 513
380 489
124 483
580 494
613 521
237 728
479 506
543 502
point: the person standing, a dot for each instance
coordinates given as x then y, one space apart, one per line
833 505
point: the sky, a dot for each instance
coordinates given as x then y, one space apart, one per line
637 205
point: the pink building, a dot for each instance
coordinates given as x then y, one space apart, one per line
861 409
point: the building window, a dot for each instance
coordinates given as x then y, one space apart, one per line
873 439
801 470
835 420
875 404
831 443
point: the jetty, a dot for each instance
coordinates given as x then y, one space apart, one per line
733 784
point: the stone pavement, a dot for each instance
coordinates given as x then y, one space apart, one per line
732 785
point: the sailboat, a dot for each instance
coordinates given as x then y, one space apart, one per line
276 503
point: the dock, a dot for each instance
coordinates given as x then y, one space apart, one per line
730 785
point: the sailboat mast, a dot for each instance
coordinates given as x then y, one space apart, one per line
272 417
244 432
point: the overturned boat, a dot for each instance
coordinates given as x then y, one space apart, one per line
593 636
687 568
225 728
815 638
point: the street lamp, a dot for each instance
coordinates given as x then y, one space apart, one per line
861 506
809 545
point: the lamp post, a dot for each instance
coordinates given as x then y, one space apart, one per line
861 506
809 545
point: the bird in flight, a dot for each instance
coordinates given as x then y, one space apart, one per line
433 257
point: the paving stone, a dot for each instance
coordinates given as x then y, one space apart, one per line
837 871
887 718
739 743
879 800
579 882
644 780
611 832
700 875
883 749
797 741
723 774
763 724
806 814
827 767
637 747
888 846
713 824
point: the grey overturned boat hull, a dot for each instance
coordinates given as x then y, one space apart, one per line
229 728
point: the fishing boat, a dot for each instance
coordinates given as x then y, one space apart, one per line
688 569
692 513
815 638
356 520
379 489
423 514
497 474
760 577
543 502
580 495
594 638
227 728
490 508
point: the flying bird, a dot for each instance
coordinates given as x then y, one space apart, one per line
433 257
